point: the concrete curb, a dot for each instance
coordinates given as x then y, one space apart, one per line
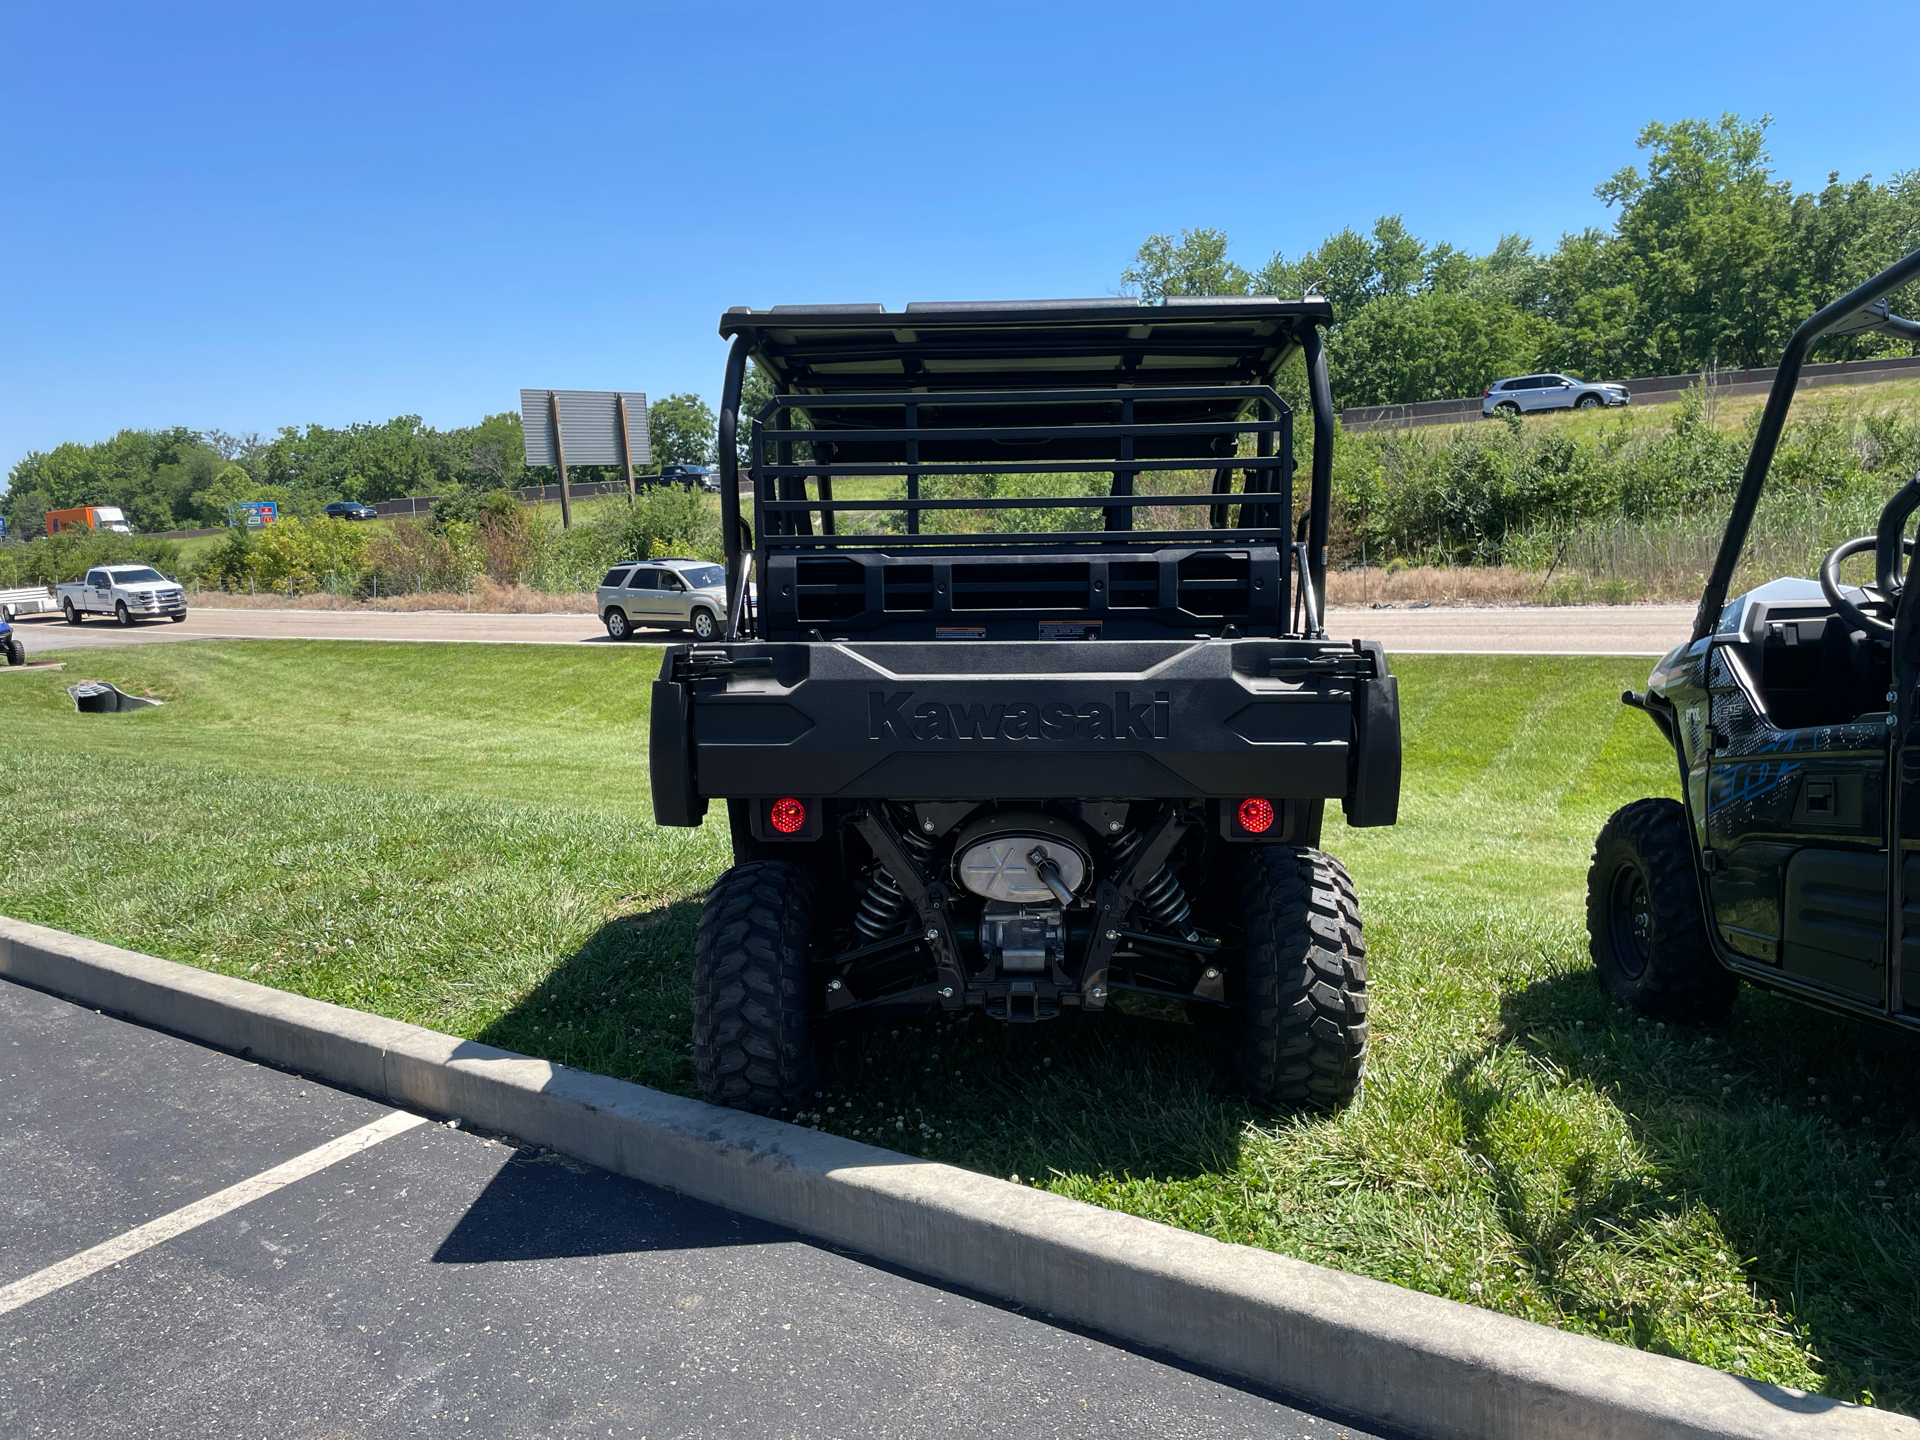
1390 1356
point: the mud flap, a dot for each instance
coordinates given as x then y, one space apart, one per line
1373 763
670 758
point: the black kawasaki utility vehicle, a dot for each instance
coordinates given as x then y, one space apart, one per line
1791 712
994 733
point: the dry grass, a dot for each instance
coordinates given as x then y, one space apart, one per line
1457 585
485 596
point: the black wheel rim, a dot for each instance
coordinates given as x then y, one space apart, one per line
1630 920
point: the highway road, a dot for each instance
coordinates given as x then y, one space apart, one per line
1558 630
198 1246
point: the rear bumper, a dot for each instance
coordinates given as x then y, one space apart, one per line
1203 719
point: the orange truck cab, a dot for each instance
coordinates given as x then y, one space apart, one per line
93 517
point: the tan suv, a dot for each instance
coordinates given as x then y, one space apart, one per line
663 594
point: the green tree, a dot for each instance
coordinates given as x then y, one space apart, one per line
1195 264
756 390
1405 348
682 429
1703 235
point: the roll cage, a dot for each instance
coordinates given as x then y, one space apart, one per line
944 393
1861 309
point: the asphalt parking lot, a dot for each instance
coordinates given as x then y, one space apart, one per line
357 1271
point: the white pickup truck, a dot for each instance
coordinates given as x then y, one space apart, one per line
126 592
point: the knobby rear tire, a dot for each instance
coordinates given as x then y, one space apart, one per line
1303 1036
1645 929
753 1041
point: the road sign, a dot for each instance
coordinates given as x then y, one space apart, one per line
253 514
590 428
598 427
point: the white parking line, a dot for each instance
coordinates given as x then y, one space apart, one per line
188 1217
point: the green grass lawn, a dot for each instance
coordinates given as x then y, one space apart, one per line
460 837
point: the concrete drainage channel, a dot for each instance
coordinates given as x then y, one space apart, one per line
98 697
1385 1355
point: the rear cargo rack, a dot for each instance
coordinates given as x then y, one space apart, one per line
1231 567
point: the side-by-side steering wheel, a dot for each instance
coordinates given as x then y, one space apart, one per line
1891 549
1875 616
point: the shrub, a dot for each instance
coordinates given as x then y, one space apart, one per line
67 556
295 555
414 556
1511 493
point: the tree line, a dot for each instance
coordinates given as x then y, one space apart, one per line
1710 264
180 478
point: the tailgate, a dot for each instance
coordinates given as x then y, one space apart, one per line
1021 720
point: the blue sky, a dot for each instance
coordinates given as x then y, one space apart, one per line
248 216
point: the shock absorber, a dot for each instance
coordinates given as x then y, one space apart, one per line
882 907
1162 896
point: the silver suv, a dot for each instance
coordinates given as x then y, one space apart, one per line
1549 392
663 594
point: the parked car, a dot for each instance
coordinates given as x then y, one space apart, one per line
352 510
15 647
1549 392
126 592
701 477
664 594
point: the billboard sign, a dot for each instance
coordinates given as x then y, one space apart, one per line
591 432
253 514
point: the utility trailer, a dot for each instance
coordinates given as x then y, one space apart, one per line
1025 700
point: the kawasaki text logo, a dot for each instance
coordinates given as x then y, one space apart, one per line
896 717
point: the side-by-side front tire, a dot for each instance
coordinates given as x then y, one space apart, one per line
753 1042
617 626
16 651
1303 1031
1645 928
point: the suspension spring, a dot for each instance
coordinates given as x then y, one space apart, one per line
882 907
1162 897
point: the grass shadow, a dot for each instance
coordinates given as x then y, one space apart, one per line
617 1005
1128 1094
1787 1135
1134 1093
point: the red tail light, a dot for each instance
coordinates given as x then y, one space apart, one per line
789 815
1256 816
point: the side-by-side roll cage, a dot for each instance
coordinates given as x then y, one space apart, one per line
917 417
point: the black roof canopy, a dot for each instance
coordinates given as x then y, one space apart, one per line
1030 363
1025 344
